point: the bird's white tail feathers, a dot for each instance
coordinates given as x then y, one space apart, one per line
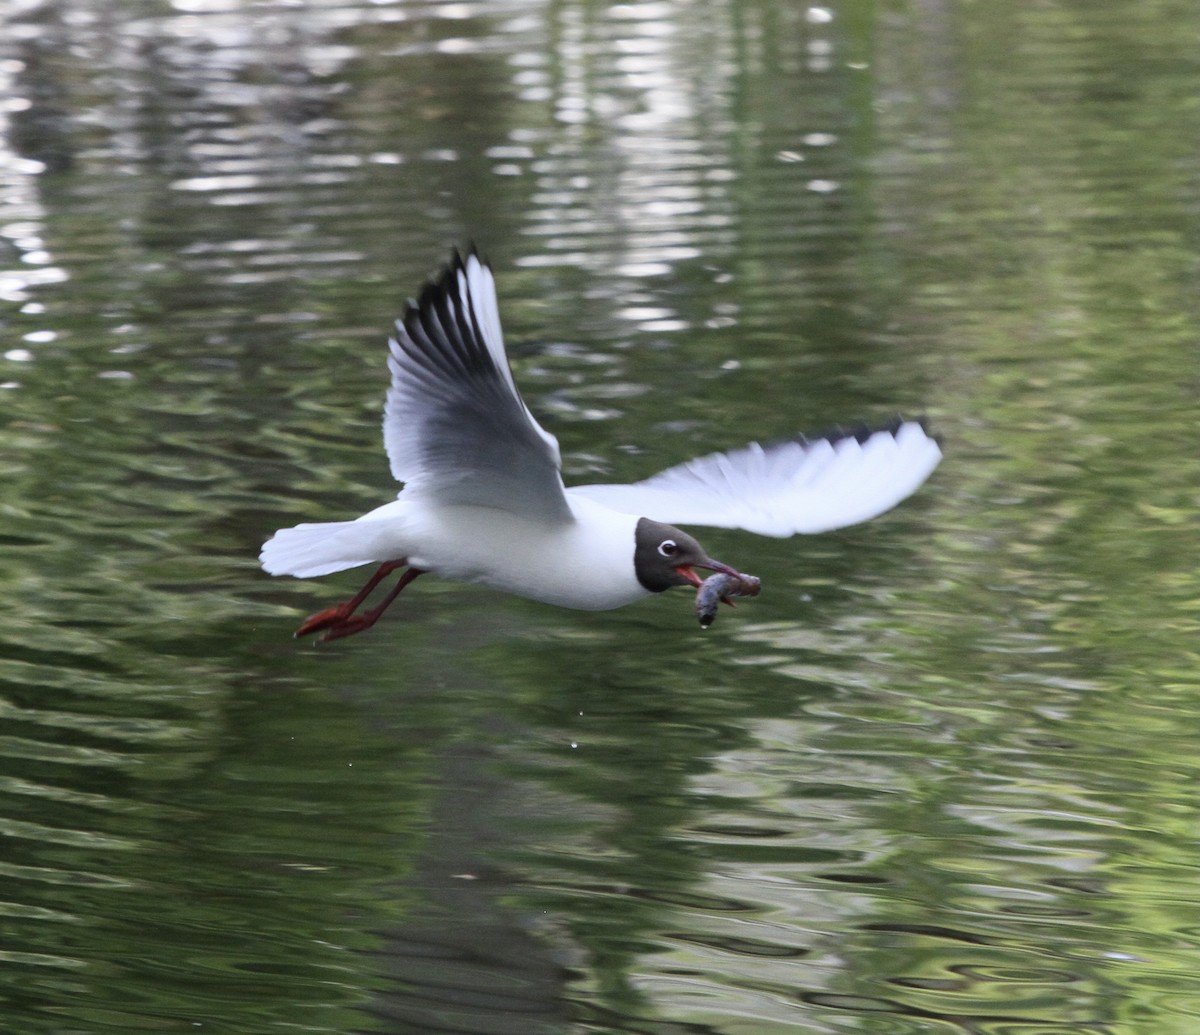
309 550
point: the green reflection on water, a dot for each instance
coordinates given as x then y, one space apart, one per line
940 773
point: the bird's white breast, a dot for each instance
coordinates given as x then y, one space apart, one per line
585 564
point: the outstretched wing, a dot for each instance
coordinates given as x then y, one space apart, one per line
804 485
455 427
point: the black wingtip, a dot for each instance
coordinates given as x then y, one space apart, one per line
460 255
444 280
441 322
861 430
440 284
924 422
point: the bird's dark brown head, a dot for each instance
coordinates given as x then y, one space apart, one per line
665 556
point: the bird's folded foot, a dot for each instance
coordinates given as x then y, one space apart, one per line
327 619
349 626
341 620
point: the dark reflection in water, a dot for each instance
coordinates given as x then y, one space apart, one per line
939 777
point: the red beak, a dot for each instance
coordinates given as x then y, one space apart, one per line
687 571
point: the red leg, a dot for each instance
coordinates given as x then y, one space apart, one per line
341 620
357 623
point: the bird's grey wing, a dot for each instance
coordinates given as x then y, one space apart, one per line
799 486
455 427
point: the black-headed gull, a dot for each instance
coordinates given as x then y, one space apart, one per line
484 501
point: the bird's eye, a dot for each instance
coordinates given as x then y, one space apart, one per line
668 548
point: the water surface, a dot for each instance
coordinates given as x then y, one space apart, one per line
939 777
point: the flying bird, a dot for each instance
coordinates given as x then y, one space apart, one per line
483 498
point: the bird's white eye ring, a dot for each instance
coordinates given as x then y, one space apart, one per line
668 548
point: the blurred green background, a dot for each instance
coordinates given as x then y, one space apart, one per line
939 778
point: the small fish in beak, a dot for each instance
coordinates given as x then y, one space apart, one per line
717 589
